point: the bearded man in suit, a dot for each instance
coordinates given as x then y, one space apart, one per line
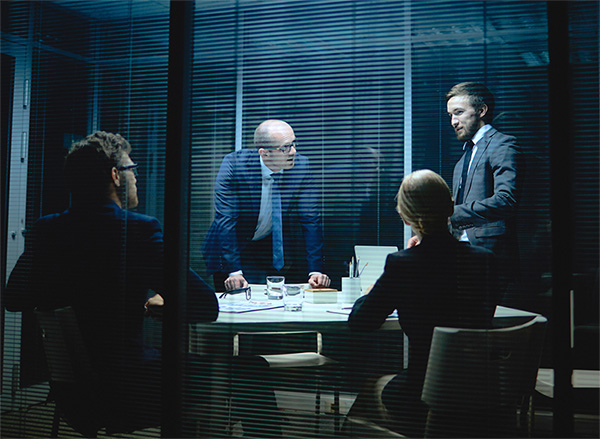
106 262
485 183
262 195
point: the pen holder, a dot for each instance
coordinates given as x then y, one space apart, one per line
350 289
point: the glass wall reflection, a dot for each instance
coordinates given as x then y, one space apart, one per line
362 83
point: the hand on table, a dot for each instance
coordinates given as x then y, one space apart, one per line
234 282
319 281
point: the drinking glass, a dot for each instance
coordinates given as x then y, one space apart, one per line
275 287
293 297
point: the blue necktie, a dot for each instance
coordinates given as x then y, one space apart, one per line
278 261
465 172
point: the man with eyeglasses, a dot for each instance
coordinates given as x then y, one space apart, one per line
106 262
265 206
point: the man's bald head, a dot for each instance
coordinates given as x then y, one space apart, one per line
276 144
273 133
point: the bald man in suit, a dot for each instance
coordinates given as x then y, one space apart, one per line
239 245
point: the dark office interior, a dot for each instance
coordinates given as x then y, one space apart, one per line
363 83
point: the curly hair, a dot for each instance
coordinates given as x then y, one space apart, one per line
89 162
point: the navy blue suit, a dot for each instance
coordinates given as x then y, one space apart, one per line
237 205
102 260
440 282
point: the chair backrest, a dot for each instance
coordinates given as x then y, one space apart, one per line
479 370
479 365
65 350
73 382
277 342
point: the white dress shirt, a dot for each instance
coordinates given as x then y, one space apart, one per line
476 138
264 225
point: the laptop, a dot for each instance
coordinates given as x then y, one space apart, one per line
372 262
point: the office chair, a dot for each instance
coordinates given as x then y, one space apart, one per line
368 416
474 382
73 383
477 378
80 397
585 343
289 364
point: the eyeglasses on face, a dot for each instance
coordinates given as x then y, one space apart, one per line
132 168
286 148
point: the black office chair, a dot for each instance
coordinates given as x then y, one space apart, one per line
73 383
81 399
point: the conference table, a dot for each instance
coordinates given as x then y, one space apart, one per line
359 354
328 318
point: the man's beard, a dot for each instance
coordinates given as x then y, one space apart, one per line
127 198
466 133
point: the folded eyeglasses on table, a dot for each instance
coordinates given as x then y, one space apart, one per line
247 290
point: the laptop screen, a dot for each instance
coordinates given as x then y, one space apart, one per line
372 262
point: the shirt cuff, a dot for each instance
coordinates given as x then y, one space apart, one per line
236 273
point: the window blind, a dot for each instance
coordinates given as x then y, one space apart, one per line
361 82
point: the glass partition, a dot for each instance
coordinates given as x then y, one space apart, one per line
363 85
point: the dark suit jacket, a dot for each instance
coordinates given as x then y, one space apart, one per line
237 205
102 260
440 282
491 195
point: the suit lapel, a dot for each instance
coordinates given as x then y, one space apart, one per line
456 177
252 177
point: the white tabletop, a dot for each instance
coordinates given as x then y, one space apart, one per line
215 337
313 313
310 313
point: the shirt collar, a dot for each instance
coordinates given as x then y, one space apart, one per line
480 132
265 171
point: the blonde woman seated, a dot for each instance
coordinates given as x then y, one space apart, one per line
438 282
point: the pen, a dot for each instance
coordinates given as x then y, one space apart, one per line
363 269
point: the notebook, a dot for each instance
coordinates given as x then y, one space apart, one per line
372 262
